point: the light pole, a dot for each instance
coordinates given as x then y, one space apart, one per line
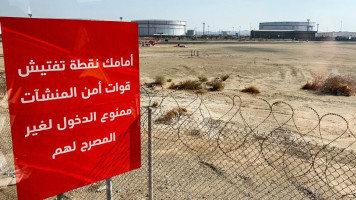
29 11
204 28
233 31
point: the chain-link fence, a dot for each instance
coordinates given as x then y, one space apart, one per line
217 146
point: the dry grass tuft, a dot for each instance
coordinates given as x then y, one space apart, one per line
334 84
160 80
172 115
203 78
169 80
225 77
186 85
217 85
307 86
173 86
317 83
339 85
252 90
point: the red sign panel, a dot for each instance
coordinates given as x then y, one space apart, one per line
73 91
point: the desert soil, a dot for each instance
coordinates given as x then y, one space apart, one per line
278 69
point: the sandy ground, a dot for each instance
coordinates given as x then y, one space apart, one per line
277 69
193 167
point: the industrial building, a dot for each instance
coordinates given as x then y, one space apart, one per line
281 34
290 26
334 35
286 30
161 27
191 33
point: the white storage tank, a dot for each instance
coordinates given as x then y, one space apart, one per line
161 27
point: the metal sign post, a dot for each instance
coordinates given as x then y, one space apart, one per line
60 197
109 189
150 170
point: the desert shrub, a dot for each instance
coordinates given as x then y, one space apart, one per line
186 85
334 84
339 85
173 86
172 115
213 80
160 80
203 78
217 85
252 90
317 83
169 80
225 77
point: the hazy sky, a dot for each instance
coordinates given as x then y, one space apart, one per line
218 14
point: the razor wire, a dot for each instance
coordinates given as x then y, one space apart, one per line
220 146
217 146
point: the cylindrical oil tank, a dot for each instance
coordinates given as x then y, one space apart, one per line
161 27
292 26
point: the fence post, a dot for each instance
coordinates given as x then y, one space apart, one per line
109 189
150 170
60 197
